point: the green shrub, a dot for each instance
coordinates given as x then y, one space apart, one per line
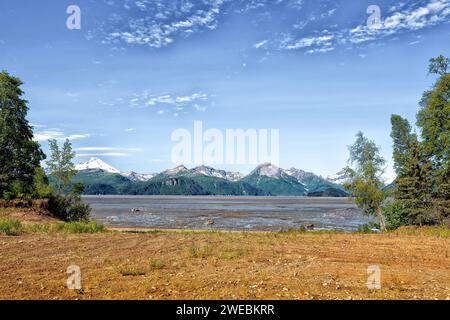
79 227
11 227
69 208
8 195
369 227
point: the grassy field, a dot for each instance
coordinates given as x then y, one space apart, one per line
414 264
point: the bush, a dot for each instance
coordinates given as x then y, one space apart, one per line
79 227
370 227
11 227
69 208
8 195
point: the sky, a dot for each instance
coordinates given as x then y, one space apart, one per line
137 70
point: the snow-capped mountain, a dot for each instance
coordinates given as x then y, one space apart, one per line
269 170
175 171
211 172
298 174
265 179
96 164
275 181
205 171
134 176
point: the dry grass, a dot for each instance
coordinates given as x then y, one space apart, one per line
415 264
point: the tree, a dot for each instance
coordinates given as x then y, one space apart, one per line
434 121
60 164
412 203
365 177
20 155
439 65
41 186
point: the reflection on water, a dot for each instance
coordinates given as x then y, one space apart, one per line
232 213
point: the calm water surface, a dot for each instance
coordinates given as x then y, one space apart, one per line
229 213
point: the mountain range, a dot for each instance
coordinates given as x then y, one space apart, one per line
99 177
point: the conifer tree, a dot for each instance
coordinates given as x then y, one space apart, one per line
20 156
434 121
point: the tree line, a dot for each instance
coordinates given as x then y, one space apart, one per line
21 173
420 194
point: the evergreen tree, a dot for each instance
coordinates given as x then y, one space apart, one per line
60 164
434 121
412 204
365 182
20 156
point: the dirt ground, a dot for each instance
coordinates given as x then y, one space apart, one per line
213 265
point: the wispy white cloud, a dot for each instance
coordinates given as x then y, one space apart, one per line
412 16
108 149
198 100
157 23
103 154
260 44
58 135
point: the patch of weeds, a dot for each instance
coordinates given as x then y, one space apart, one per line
200 251
11 227
131 272
79 227
37 228
232 254
156 264
442 231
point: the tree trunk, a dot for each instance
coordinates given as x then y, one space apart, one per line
381 219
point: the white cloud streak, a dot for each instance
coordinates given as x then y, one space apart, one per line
415 16
58 135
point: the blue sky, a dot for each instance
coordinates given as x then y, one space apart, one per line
137 70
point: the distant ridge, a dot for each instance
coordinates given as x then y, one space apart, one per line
266 179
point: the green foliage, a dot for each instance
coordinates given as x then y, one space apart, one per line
439 65
422 188
11 227
60 164
434 121
41 186
368 228
20 155
365 182
69 208
79 227
412 192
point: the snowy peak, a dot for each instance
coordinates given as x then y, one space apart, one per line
96 164
134 176
211 172
296 173
269 170
175 171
